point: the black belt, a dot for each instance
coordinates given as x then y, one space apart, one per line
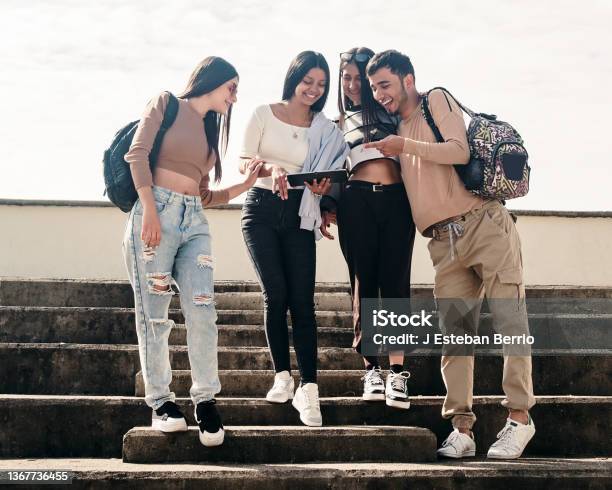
369 186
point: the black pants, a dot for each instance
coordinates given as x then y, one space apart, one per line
284 257
376 233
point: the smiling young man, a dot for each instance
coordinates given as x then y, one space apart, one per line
474 247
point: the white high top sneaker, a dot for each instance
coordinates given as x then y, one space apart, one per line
373 385
457 445
306 401
512 440
397 390
282 390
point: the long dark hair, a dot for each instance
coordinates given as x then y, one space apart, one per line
212 72
299 67
369 106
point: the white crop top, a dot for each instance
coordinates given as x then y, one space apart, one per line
274 141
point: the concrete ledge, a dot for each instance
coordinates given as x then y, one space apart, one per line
94 426
289 444
238 206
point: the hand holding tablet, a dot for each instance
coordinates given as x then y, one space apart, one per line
300 179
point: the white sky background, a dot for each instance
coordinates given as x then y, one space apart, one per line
73 72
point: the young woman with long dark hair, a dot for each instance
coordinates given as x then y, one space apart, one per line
374 219
280 224
167 240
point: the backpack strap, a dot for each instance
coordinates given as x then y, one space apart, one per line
169 117
429 118
465 109
170 113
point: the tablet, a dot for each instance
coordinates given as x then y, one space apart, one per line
336 176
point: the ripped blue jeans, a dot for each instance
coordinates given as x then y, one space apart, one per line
183 260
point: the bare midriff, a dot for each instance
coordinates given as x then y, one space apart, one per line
175 182
379 171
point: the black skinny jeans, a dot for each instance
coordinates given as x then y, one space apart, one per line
284 257
376 233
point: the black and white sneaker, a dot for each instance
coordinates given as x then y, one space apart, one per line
168 418
209 421
373 385
397 390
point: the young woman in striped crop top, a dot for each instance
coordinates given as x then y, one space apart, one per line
374 220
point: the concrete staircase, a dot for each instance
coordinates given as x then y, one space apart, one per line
70 375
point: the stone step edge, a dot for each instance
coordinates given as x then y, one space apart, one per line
254 285
341 400
326 313
479 467
347 350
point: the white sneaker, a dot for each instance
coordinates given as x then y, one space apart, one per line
282 390
397 390
512 440
373 385
457 445
168 418
306 401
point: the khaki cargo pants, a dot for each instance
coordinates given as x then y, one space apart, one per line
479 255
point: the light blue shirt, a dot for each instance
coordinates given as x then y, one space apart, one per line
327 150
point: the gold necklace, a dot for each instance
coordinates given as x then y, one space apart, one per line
295 133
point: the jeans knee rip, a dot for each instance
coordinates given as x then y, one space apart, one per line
160 323
160 283
203 299
205 261
148 254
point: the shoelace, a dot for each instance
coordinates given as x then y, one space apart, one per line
505 437
373 377
451 439
398 382
281 384
309 402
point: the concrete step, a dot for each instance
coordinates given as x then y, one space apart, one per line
116 326
77 292
71 292
283 444
349 383
244 383
475 474
111 369
89 333
87 426
15 318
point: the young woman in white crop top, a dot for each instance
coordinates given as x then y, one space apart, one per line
284 254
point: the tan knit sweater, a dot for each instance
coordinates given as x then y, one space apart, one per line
434 188
184 149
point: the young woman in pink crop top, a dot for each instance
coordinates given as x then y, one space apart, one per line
167 240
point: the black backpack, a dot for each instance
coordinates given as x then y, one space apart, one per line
117 175
498 166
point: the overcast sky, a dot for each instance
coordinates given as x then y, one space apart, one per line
73 72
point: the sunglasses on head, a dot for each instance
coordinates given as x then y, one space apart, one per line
358 57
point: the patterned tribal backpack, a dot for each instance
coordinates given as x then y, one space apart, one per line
498 167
